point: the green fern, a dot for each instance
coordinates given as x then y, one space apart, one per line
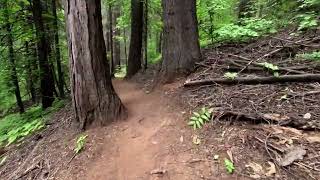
271 67
198 119
80 143
230 75
229 166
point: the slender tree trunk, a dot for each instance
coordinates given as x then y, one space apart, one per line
111 41
46 79
14 75
134 60
116 42
30 76
243 8
211 26
181 45
145 33
125 46
57 50
159 49
94 98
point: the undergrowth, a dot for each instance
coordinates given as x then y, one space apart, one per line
249 28
313 56
15 127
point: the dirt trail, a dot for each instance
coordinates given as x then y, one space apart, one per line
152 138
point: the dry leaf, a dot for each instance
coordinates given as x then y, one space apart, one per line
257 170
196 140
271 170
294 153
276 117
313 139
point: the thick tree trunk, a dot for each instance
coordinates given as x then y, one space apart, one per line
14 75
180 39
116 42
46 82
94 98
57 50
135 55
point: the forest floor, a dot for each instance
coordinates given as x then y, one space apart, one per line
252 125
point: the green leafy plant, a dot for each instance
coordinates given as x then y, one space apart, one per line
198 119
250 28
307 21
230 75
229 166
314 56
15 127
21 132
271 67
80 143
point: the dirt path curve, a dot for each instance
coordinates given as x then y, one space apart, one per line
153 140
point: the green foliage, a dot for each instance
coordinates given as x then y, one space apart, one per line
121 71
229 166
15 127
250 28
230 75
307 21
271 67
198 119
80 143
313 56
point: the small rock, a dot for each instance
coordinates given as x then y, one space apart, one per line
307 116
181 139
216 157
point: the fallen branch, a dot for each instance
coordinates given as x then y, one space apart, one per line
261 68
256 80
262 57
296 43
286 121
261 65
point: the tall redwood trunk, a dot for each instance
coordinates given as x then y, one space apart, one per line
94 98
46 79
180 39
135 55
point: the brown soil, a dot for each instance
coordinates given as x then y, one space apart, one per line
153 143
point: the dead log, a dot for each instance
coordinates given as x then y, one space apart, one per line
256 80
286 121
